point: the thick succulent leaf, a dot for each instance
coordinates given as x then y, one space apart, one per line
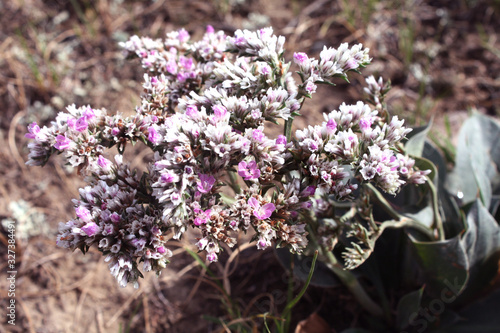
425 216
408 304
443 262
477 160
450 213
469 260
482 243
416 140
433 154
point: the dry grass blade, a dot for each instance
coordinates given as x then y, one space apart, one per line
255 299
232 257
78 311
196 286
187 269
99 321
43 260
145 305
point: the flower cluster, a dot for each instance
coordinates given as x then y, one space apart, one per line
203 115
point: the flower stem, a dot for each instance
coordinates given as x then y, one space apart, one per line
438 222
348 279
352 283
233 182
400 221
288 129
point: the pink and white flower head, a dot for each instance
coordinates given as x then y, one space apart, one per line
249 171
206 183
153 136
261 212
91 229
83 213
63 142
104 163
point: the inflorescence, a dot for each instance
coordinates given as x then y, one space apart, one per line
203 115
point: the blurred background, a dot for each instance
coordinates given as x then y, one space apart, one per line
442 56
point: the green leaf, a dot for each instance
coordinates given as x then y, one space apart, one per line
433 154
468 261
416 140
408 304
482 243
477 160
443 262
424 216
452 220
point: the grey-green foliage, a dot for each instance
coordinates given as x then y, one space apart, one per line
477 162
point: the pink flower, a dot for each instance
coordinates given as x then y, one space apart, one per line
212 257
115 217
210 29
83 213
300 58
351 64
90 229
88 114
153 135
365 123
81 124
240 40
206 183
72 123
62 142
202 217
104 163
172 67
261 212
281 140
256 114
219 112
182 76
185 62
310 87
308 191
248 170
265 69
183 35
169 177
161 249
192 111
331 125
33 130
258 135
202 243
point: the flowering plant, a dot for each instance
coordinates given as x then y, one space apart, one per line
203 115
217 167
